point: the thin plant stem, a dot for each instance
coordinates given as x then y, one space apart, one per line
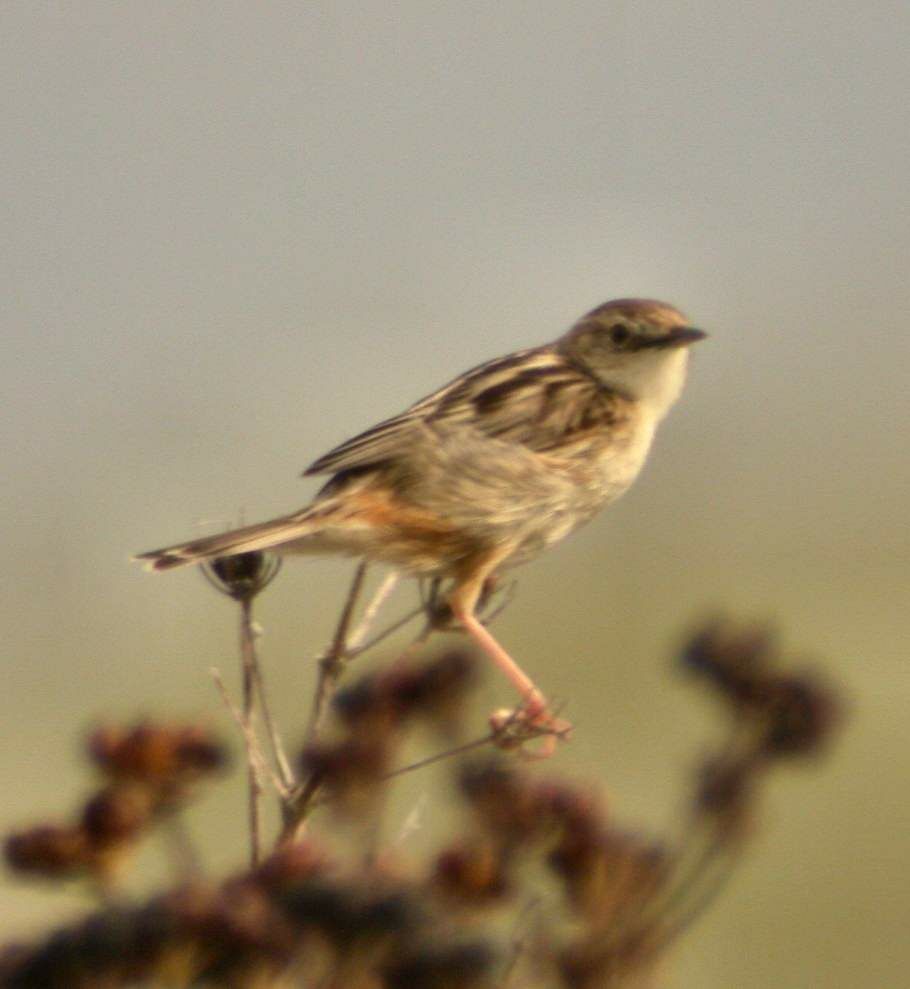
248 670
521 936
700 845
255 756
277 746
183 849
355 639
331 663
419 640
304 801
688 898
495 735
440 756
700 897
399 623
508 593
296 808
694 860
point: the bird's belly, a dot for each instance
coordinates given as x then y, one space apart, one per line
462 498
596 483
552 524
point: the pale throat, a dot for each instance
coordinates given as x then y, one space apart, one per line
654 379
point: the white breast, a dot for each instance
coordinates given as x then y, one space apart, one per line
621 466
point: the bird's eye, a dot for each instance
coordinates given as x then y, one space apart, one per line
619 334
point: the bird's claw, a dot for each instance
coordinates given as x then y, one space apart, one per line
513 727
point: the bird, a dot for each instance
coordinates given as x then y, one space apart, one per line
490 470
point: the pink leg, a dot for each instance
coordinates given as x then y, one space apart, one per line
463 600
535 710
535 702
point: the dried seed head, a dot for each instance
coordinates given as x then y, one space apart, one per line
349 914
432 687
801 713
321 905
291 863
732 660
594 963
445 966
471 873
571 807
725 792
49 850
155 753
607 872
117 815
348 767
795 713
242 576
391 696
509 806
242 915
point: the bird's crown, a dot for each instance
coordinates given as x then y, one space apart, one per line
626 326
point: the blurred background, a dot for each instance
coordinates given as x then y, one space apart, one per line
237 234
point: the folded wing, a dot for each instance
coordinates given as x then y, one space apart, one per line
535 398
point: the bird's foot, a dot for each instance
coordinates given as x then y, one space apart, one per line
515 727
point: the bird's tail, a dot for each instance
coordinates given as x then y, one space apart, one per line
263 535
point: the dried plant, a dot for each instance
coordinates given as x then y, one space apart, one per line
537 886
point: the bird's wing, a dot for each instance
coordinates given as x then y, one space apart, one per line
533 397
544 404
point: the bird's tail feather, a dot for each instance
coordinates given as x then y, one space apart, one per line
263 535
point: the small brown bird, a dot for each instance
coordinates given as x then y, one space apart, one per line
490 470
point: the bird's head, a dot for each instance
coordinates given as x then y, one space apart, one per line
636 346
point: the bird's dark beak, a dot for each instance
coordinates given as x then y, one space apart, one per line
685 335
679 336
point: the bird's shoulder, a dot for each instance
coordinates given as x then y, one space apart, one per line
535 397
